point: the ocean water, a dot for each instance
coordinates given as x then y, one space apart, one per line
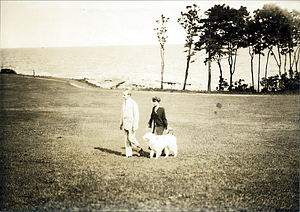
139 65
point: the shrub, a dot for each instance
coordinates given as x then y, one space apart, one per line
281 84
7 71
240 86
222 84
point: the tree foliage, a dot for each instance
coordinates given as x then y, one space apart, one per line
223 30
210 41
221 35
275 29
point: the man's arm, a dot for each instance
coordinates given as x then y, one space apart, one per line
136 117
121 119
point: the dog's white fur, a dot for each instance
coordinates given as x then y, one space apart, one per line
159 142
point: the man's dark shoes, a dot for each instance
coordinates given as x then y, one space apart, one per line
140 152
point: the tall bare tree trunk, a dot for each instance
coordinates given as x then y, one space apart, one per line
279 60
221 74
186 71
251 66
161 31
267 63
209 73
234 65
296 58
291 67
258 72
162 55
230 72
209 76
284 66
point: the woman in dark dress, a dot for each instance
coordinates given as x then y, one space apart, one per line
158 117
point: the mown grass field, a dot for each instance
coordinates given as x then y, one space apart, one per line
61 149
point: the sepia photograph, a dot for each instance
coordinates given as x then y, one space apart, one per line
149 105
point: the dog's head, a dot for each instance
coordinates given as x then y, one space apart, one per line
147 136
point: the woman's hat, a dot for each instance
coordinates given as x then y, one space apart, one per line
156 99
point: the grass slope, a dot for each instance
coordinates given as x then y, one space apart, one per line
61 149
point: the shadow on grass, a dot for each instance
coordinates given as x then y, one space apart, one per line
142 154
109 151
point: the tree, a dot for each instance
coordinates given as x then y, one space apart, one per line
279 31
224 30
276 30
259 45
233 27
210 40
189 21
250 39
161 35
295 40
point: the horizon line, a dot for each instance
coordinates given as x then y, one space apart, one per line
111 45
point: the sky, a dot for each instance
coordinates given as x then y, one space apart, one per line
100 23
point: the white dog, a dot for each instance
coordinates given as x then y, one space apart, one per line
159 142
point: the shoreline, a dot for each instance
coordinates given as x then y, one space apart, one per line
85 83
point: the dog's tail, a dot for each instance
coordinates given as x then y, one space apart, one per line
170 131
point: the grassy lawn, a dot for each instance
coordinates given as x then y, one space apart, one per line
61 149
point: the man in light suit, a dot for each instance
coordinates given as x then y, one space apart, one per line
129 122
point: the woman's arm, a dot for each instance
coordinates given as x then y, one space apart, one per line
151 119
164 119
